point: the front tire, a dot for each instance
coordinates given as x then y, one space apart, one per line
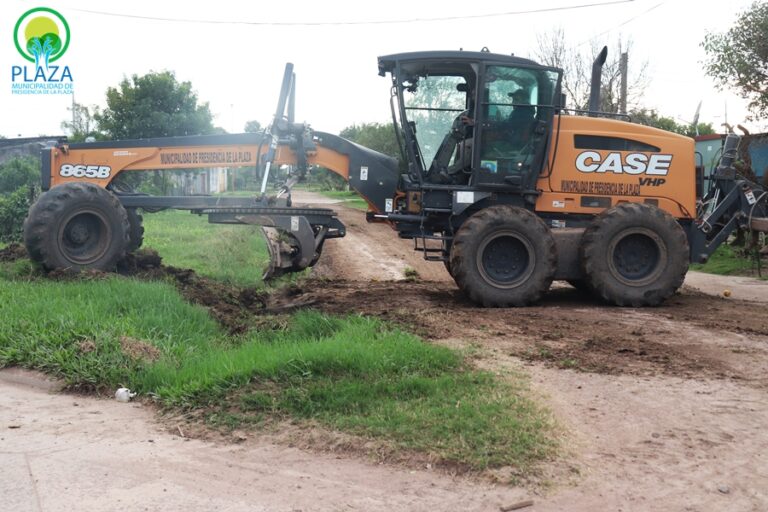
634 255
77 226
503 256
135 229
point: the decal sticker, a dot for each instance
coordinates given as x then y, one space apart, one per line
491 166
294 223
363 173
465 197
85 171
388 206
601 188
558 204
616 163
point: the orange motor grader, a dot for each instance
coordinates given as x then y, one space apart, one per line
502 182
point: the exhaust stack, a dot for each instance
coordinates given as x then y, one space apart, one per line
594 87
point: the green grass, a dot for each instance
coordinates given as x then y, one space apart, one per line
354 374
231 254
46 324
726 261
350 198
357 376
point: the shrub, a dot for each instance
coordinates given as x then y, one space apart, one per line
13 211
17 173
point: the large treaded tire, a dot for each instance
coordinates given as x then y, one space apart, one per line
503 256
77 226
135 229
634 255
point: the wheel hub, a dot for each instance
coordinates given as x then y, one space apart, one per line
505 259
84 237
78 233
636 256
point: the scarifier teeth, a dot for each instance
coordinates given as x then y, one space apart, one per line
273 269
282 254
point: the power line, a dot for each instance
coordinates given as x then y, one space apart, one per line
338 23
625 22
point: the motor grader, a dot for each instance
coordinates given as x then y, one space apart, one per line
503 183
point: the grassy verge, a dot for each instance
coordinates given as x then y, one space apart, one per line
350 374
726 261
353 374
349 198
358 376
231 254
73 329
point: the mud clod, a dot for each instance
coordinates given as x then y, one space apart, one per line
138 349
13 252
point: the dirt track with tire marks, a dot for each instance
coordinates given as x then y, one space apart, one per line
664 407
661 408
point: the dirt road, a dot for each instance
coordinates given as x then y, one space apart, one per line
61 452
662 408
666 406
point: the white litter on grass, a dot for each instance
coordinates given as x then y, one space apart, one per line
124 395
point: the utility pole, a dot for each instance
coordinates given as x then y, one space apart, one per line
623 65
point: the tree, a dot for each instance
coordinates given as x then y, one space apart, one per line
738 58
652 118
252 127
83 124
554 50
153 105
377 136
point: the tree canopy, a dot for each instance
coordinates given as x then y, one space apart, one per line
738 58
252 126
652 118
377 136
82 124
153 105
555 50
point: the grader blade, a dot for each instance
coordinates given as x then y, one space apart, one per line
282 254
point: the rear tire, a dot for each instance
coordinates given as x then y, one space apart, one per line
634 255
77 226
503 256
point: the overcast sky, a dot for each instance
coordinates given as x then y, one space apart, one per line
236 65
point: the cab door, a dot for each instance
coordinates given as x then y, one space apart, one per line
516 108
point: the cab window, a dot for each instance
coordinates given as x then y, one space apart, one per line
517 105
432 107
